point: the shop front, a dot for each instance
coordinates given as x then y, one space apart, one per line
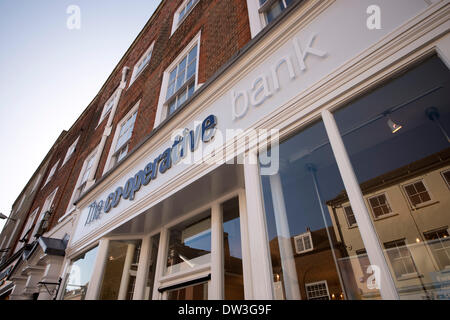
316 166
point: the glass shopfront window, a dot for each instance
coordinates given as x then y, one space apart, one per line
397 140
154 245
312 257
120 270
79 275
189 244
234 276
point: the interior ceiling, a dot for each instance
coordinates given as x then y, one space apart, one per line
215 184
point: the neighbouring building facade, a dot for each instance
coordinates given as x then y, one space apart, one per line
252 149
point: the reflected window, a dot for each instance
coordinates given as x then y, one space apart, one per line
194 292
439 242
351 220
307 225
234 277
417 193
446 176
397 139
120 270
400 258
79 275
317 291
189 244
379 205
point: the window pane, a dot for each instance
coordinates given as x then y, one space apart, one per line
193 54
234 277
189 244
121 266
152 268
306 228
195 292
406 166
79 276
191 69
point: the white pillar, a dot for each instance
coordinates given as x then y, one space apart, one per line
245 244
259 244
216 291
284 239
160 262
362 216
142 271
93 290
126 272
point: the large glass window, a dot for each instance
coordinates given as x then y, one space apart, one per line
189 244
79 275
397 140
152 267
120 270
234 277
311 257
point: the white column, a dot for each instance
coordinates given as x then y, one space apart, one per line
362 216
97 274
142 271
284 239
259 244
245 244
126 272
216 291
160 262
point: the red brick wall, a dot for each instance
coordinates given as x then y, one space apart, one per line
225 30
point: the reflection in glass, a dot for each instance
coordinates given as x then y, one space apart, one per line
310 257
120 270
412 215
189 244
152 267
195 292
79 275
234 278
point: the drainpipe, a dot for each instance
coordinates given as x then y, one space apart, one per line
108 129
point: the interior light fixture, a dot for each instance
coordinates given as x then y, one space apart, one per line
393 126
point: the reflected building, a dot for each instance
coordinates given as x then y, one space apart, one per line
409 208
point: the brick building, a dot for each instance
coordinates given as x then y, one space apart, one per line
155 191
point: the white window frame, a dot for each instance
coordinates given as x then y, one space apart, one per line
36 182
346 217
70 151
47 205
302 237
75 194
404 276
257 19
443 177
162 110
29 224
422 204
388 202
176 21
136 73
310 284
51 173
112 151
112 101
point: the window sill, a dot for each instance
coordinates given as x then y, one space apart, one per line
355 226
424 205
385 216
409 276
178 275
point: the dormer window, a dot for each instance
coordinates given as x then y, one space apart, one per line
303 243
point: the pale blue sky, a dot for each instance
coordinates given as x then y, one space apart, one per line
49 74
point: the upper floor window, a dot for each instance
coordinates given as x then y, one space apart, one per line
303 243
439 242
272 8
44 212
142 63
351 220
182 12
51 173
446 176
182 81
379 205
70 151
108 105
417 193
36 182
124 131
86 172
